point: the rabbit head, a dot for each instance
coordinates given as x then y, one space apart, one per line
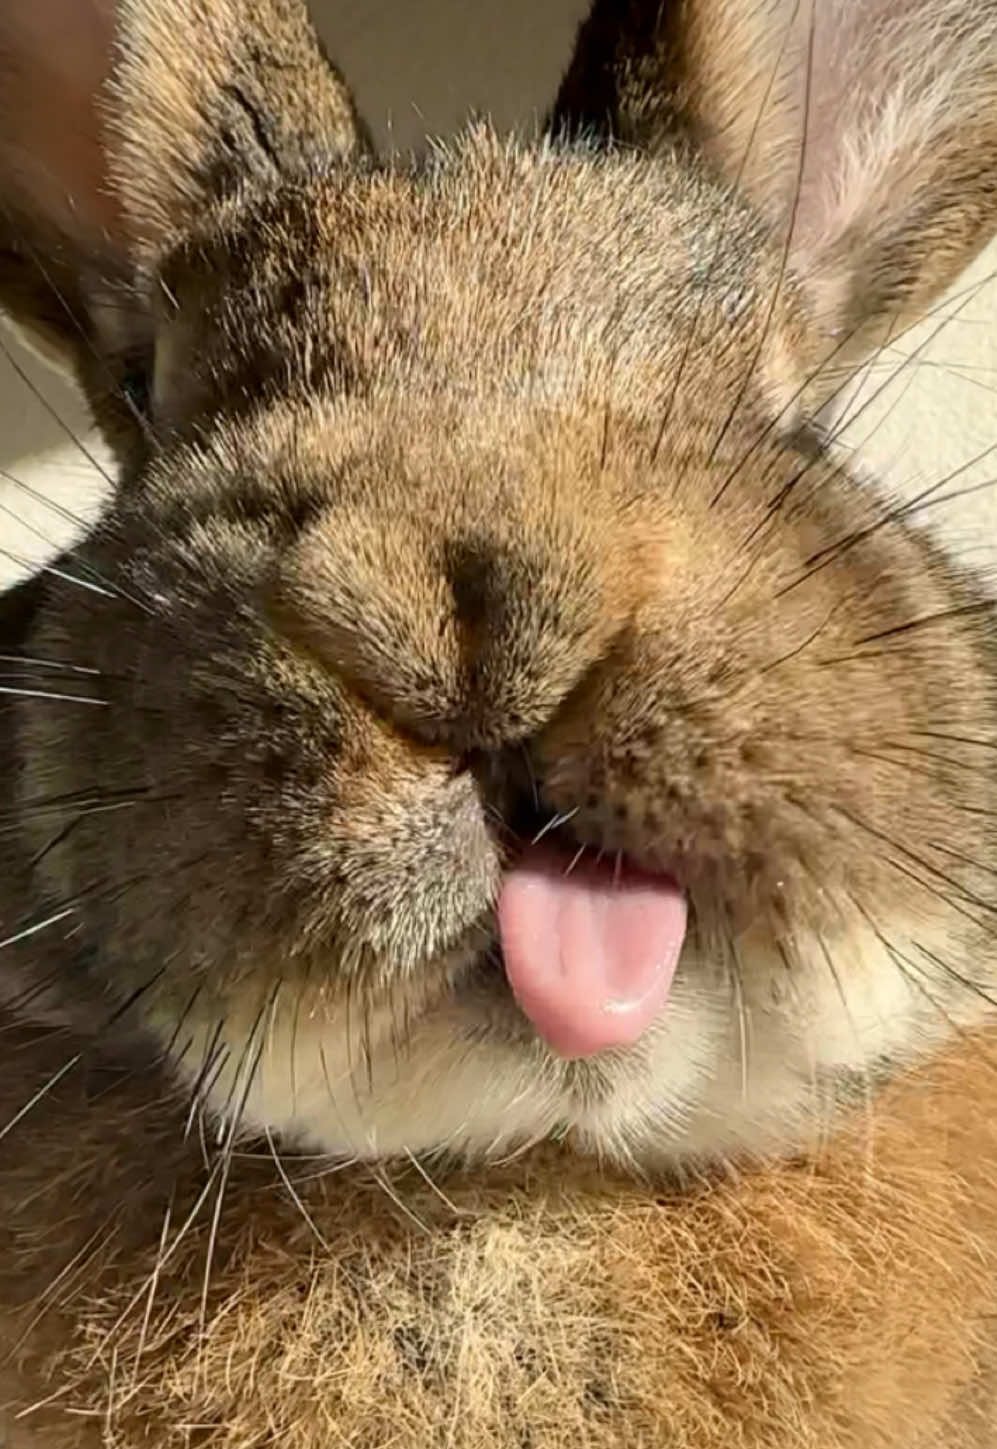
490 708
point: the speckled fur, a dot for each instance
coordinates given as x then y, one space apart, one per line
450 500
842 1300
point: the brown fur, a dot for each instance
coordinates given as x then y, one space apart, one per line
842 1300
449 500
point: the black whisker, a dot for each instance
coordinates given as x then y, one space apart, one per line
961 893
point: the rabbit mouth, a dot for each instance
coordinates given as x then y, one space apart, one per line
589 948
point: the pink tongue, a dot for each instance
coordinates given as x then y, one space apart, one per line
590 957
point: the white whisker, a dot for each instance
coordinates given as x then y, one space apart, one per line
49 694
47 663
33 1101
554 823
40 926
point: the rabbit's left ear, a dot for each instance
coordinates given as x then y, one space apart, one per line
865 129
122 124
207 95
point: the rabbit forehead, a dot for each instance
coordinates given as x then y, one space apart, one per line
548 274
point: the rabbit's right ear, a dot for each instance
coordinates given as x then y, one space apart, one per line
865 130
122 122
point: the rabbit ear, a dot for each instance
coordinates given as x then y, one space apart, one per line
865 129
122 121
208 94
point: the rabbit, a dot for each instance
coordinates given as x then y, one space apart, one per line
492 727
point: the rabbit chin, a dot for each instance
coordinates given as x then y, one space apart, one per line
751 1067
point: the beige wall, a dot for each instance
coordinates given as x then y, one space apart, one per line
936 418
419 66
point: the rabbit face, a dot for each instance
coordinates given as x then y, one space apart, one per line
522 723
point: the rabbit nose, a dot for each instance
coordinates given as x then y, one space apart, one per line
472 642
525 626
